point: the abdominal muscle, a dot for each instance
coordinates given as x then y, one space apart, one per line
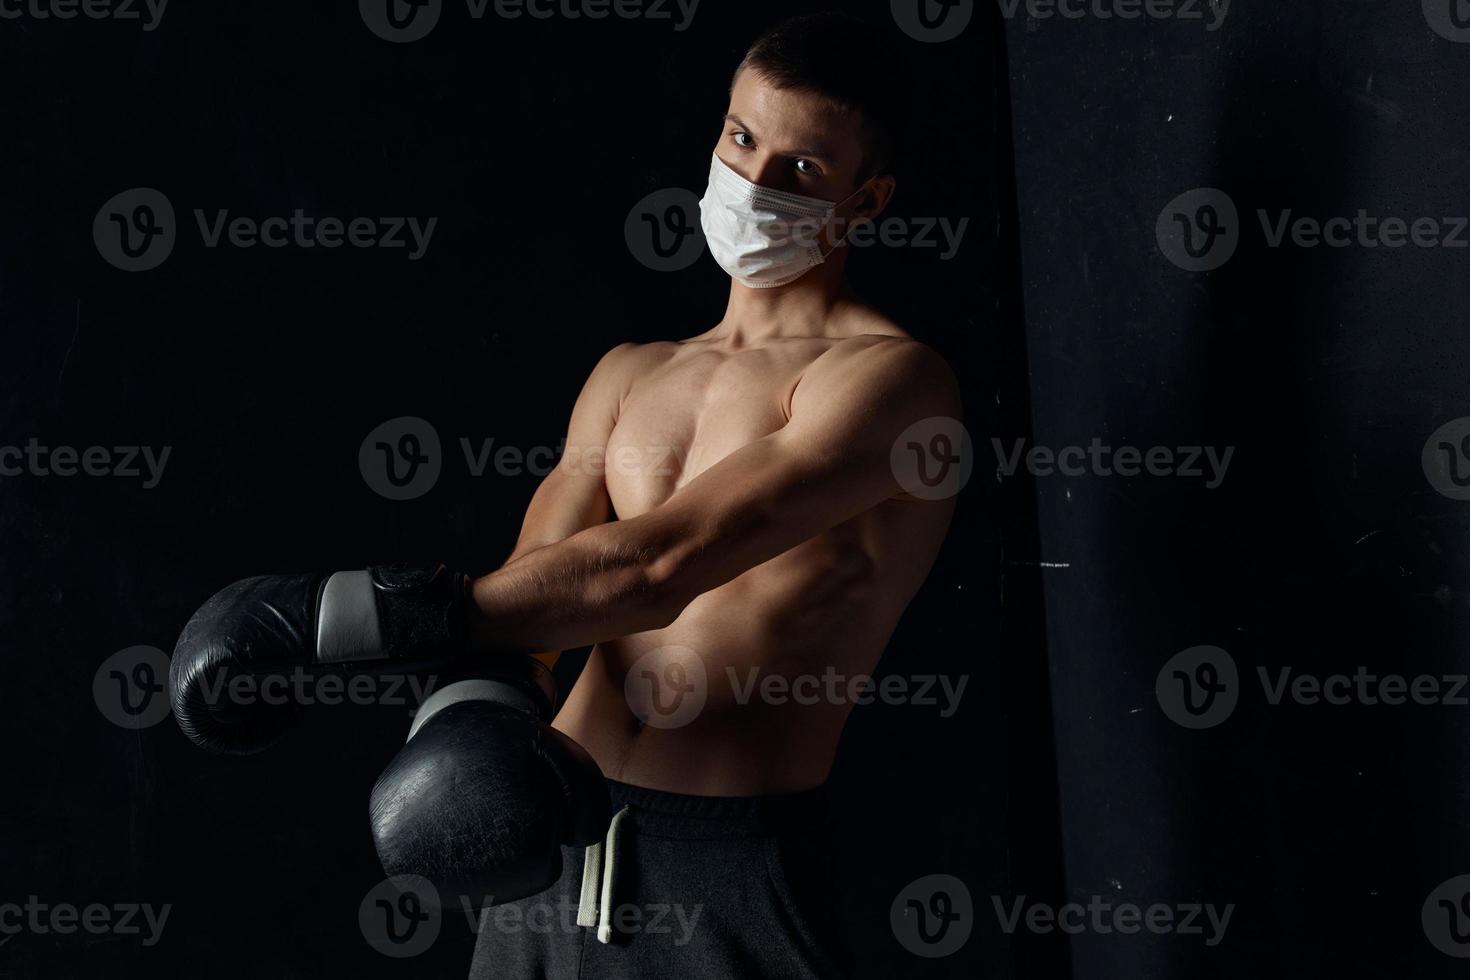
747 691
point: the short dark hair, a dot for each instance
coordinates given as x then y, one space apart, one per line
849 61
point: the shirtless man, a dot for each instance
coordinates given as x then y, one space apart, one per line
754 503
747 522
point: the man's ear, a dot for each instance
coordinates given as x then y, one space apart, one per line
879 192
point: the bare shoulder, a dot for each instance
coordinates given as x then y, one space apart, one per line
620 367
886 371
630 359
860 320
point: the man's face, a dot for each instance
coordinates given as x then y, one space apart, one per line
791 140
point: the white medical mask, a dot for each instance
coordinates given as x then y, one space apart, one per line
763 237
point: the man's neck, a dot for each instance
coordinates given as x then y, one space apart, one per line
802 308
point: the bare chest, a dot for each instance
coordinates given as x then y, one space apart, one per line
692 413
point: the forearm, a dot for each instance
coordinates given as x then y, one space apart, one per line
605 582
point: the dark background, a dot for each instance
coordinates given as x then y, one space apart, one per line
264 369
1062 141
1325 549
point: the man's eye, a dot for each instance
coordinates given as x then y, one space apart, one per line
808 168
743 139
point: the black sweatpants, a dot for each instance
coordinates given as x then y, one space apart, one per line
692 887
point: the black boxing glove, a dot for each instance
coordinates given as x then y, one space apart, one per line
391 617
486 792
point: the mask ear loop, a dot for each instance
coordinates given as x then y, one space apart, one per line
837 207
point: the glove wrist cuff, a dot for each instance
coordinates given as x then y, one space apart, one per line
391 612
530 691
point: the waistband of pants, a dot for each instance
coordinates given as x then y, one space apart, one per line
663 814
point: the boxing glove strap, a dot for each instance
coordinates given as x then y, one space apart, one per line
391 612
347 624
477 689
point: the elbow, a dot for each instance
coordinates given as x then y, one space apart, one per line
668 582
664 591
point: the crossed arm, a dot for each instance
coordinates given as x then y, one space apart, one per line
577 578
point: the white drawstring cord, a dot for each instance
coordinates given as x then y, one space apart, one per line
600 862
591 875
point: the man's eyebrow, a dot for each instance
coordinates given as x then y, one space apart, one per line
816 152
